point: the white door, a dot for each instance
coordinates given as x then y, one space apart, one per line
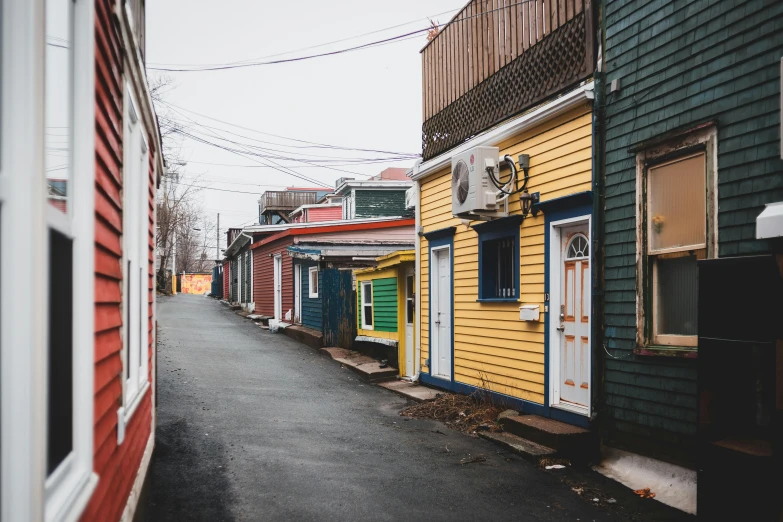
440 322
278 282
409 312
298 294
573 316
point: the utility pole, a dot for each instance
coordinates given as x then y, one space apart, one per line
217 239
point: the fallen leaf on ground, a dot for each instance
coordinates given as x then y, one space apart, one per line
644 493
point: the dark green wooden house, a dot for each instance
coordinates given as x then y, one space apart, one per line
382 197
692 155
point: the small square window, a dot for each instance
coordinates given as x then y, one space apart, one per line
313 281
499 260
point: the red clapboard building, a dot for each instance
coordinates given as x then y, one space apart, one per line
81 162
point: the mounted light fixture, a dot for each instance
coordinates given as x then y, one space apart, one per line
528 200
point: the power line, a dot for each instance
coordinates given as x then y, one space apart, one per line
411 34
318 45
326 145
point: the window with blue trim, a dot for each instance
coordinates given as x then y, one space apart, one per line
499 259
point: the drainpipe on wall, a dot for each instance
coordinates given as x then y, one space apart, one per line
599 209
417 278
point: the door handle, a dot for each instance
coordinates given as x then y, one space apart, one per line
560 328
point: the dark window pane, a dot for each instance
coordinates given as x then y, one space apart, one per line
678 291
368 315
497 268
60 378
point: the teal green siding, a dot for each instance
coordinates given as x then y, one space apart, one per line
381 203
384 301
679 64
312 314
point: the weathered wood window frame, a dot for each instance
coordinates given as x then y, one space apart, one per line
682 146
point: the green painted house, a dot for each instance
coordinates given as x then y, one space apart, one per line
692 143
381 196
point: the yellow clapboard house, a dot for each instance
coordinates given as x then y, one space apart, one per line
473 336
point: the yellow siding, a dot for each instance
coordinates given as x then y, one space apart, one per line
492 347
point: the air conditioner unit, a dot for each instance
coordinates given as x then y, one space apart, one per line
473 195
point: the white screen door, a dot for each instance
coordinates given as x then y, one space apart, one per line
409 300
440 358
298 294
278 276
573 331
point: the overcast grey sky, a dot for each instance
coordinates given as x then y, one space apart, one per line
368 99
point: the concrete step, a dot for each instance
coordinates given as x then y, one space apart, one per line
409 390
367 368
308 336
572 442
522 447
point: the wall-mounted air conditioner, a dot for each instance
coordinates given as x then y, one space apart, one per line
472 192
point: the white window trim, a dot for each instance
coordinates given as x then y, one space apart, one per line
28 493
371 305
310 271
134 241
709 138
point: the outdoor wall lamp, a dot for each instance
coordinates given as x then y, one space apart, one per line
528 200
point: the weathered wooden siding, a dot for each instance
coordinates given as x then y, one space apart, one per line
339 308
263 276
380 203
315 215
402 235
491 344
116 465
311 307
683 63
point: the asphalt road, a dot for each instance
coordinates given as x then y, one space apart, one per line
256 426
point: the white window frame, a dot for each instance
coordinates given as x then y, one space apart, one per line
371 305
27 492
707 140
136 253
310 271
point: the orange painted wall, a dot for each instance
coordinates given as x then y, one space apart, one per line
198 284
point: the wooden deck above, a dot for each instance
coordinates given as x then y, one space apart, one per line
495 59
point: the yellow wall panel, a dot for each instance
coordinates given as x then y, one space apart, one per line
492 347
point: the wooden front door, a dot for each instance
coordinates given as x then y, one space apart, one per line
574 318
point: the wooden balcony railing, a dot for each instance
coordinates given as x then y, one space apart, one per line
286 200
496 58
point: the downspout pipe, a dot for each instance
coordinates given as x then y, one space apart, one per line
599 210
417 279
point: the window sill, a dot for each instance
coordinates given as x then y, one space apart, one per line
680 352
498 300
125 413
